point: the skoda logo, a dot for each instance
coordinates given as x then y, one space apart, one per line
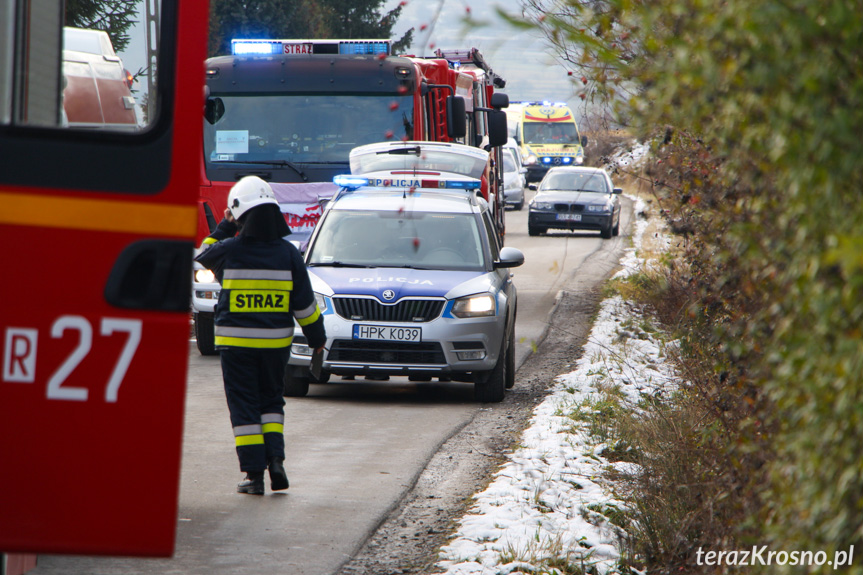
389 294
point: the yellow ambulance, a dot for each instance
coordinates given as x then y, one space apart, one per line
548 136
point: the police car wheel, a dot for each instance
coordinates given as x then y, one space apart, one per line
510 361
204 336
295 385
491 386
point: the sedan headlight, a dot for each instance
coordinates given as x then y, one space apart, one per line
204 277
603 208
541 206
474 306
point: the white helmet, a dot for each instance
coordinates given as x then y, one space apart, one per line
248 192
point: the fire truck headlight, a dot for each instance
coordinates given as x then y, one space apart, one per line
204 277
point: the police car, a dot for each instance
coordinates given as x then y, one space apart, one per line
410 276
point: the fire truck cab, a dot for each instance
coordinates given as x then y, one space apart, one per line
95 378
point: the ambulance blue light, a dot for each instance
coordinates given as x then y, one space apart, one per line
566 160
251 47
350 182
546 160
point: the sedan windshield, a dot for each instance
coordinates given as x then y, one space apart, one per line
320 128
398 239
575 182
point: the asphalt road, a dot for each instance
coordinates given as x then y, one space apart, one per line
354 449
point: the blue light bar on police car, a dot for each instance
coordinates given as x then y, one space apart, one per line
354 182
351 182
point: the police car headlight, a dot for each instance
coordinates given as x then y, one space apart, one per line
204 277
474 306
322 301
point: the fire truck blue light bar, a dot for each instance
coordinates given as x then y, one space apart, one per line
250 47
361 47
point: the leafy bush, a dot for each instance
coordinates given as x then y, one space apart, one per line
756 109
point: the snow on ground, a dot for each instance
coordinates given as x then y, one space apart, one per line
549 505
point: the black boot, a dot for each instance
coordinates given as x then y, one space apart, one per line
253 485
278 477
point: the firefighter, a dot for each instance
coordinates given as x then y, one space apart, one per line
265 285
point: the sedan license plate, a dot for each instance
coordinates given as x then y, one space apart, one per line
387 333
569 217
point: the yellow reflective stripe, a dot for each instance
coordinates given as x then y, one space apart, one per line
260 301
252 342
208 241
311 319
274 428
242 440
98 215
258 284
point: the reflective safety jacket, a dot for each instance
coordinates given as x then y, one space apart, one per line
265 285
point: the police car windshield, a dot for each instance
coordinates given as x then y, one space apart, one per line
316 128
377 238
429 159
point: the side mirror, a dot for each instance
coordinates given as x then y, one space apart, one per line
522 170
497 134
532 187
617 191
499 100
509 258
214 109
456 121
583 141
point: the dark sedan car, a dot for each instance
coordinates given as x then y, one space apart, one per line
575 198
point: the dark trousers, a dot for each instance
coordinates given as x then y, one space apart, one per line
254 385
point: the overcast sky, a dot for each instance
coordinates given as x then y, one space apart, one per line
523 59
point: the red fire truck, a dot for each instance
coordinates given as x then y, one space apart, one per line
290 111
93 376
472 64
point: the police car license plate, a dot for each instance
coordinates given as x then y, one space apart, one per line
569 217
387 333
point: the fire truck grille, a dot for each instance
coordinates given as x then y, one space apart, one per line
397 353
409 310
